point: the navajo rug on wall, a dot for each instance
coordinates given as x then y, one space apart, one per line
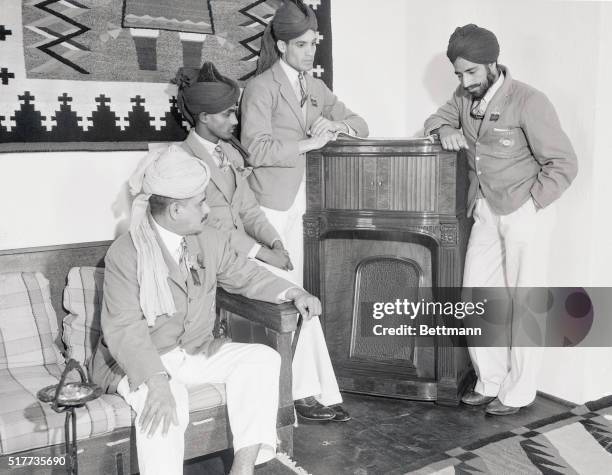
95 74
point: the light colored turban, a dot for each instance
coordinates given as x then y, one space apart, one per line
173 173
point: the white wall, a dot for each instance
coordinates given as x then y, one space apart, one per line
368 37
63 197
561 48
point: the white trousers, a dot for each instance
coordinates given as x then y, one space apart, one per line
250 373
313 373
508 251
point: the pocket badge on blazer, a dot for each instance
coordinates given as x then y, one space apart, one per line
506 142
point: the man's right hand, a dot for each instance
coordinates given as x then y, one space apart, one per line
277 257
452 139
159 406
315 142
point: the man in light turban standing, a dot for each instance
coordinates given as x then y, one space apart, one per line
158 315
519 163
285 114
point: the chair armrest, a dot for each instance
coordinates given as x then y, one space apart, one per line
281 318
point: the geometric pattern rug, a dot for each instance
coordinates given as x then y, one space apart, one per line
281 465
575 442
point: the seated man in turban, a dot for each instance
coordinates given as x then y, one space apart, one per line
208 102
286 113
519 163
158 315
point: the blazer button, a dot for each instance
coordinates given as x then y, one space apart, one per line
477 158
479 172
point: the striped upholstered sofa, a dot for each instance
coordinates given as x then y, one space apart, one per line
49 311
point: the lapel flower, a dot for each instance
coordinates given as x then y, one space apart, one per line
244 171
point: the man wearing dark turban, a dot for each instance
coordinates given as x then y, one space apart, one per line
235 211
208 102
286 113
519 163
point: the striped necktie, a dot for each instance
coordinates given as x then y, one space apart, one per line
303 93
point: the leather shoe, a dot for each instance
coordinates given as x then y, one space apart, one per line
342 414
311 409
497 408
472 398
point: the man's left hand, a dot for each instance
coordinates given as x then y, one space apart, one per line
323 125
308 305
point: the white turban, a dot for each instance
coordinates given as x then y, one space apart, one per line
170 172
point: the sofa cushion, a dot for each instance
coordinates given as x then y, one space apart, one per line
26 423
28 325
83 301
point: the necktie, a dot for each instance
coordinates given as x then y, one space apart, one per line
184 260
478 109
303 93
223 160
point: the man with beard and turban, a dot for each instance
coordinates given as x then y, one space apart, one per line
158 313
285 113
519 163
207 100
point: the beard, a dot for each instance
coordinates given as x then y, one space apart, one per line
482 89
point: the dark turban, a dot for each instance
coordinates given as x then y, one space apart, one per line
474 44
205 90
292 19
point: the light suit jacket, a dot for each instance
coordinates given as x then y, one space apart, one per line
518 152
272 125
233 206
129 346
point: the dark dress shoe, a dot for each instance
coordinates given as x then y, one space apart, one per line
497 408
342 414
311 409
472 398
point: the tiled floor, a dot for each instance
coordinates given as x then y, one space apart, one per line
391 436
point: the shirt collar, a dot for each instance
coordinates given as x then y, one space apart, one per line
290 72
171 240
209 147
494 88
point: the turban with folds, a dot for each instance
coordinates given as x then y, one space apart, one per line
170 172
474 44
204 90
292 19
